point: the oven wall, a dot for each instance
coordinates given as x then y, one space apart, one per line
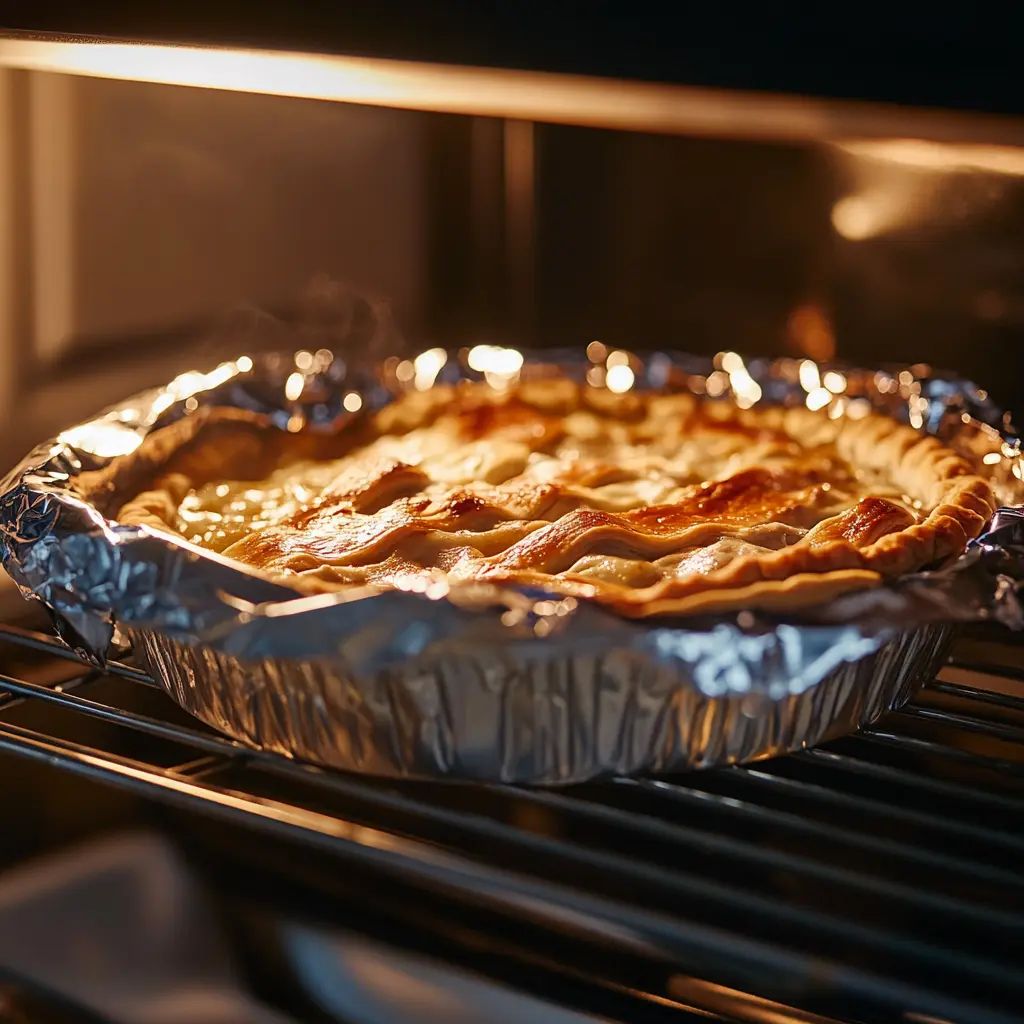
897 251
141 211
136 212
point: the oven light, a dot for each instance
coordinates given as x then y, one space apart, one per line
185 385
717 383
862 216
104 438
835 382
818 399
513 94
494 359
426 366
746 390
293 386
619 378
729 361
942 157
810 380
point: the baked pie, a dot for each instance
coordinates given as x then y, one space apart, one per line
648 504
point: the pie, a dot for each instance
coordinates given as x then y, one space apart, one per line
649 504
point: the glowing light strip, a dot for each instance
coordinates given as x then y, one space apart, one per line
535 96
927 156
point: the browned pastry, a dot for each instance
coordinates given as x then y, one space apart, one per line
649 504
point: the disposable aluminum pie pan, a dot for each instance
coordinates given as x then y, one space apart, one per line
555 715
510 685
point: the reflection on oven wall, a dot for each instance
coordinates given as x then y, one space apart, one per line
191 200
698 244
143 209
890 251
929 257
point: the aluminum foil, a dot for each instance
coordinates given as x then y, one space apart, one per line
497 684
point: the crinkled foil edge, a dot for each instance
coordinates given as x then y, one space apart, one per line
520 687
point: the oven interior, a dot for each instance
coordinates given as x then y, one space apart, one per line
876 879
140 215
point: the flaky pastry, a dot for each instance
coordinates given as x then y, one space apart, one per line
649 504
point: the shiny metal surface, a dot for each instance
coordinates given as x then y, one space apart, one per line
555 719
502 684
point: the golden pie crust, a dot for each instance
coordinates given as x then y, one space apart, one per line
648 504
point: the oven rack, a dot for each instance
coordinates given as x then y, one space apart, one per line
879 878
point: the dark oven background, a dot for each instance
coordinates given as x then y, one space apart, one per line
140 212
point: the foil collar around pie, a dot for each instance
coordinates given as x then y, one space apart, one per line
515 685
